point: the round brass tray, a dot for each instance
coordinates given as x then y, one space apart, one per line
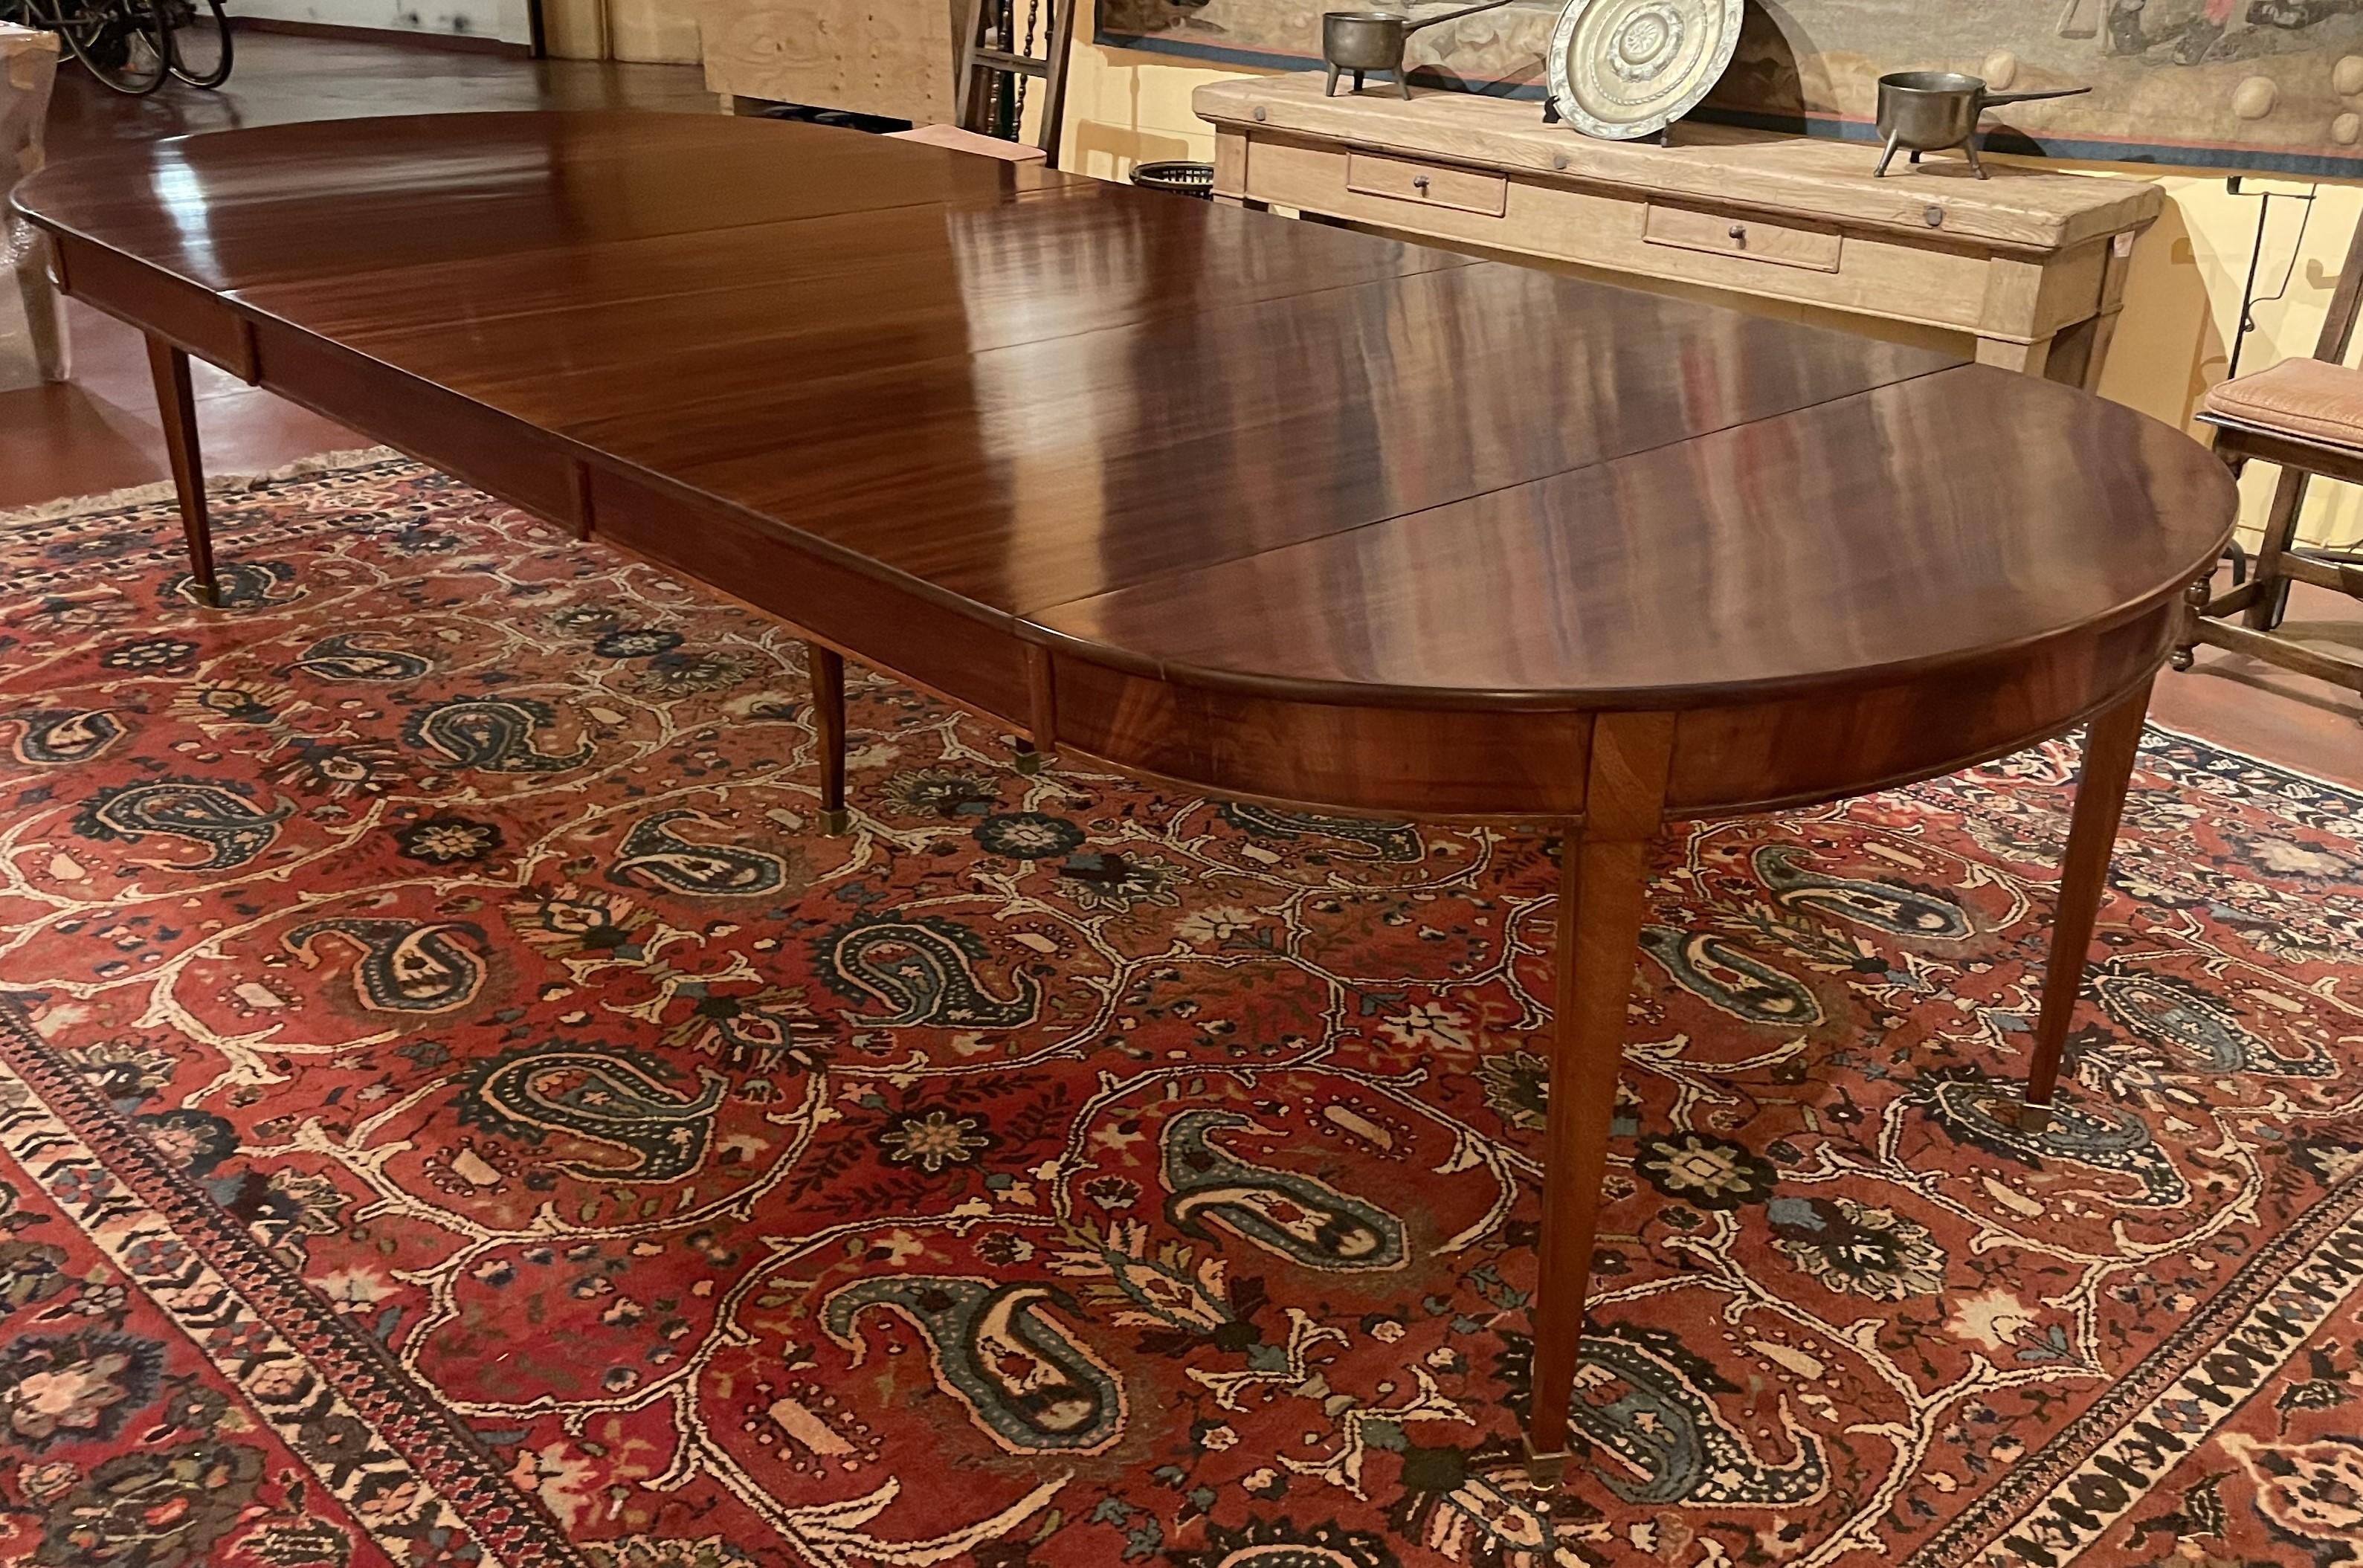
1626 69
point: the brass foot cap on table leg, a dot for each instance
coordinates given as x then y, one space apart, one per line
207 594
1546 1471
835 821
2035 1120
1029 760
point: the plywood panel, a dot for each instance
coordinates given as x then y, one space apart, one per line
877 57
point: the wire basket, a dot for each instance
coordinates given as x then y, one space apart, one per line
1179 175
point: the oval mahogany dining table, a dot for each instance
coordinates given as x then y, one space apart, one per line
1262 507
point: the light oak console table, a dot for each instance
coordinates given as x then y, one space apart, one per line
2031 264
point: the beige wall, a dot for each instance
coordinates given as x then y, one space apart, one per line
2182 298
2193 267
575 29
511 21
663 31
1124 109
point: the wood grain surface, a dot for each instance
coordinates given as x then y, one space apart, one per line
2033 208
1246 479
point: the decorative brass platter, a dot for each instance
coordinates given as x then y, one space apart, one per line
1626 69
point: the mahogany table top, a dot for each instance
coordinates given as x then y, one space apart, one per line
1044 442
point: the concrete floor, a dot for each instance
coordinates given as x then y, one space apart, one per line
278 78
100 430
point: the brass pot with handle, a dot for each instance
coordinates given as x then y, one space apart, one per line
1373 40
1927 111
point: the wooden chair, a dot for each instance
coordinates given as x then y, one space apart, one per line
2305 416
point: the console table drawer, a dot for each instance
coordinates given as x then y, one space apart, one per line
1723 235
1596 227
1464 190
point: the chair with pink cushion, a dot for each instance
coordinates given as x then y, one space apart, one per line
2304 416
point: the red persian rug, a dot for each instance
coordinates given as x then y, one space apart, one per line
454 1109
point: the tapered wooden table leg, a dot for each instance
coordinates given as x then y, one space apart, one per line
178 407
1603 899
2109 746
1042 702
828 670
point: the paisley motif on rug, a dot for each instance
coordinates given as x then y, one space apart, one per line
456 1108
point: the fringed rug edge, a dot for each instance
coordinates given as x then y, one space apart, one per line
311 467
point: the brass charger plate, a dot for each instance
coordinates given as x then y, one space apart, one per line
1626 69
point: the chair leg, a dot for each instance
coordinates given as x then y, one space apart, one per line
2194 609
2280 529
2110 745
827 669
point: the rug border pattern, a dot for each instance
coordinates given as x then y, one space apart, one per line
59 1120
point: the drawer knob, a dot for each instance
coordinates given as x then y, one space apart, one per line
1419 181
1739 231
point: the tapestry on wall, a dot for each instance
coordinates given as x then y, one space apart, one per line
2268 84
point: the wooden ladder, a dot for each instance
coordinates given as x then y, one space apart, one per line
990 66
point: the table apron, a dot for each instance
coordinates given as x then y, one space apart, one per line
187 315
1729 760
1809 750
975 660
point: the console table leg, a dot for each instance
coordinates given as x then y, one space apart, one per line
177 404
828 670
1603 899
2026 359
2109 746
